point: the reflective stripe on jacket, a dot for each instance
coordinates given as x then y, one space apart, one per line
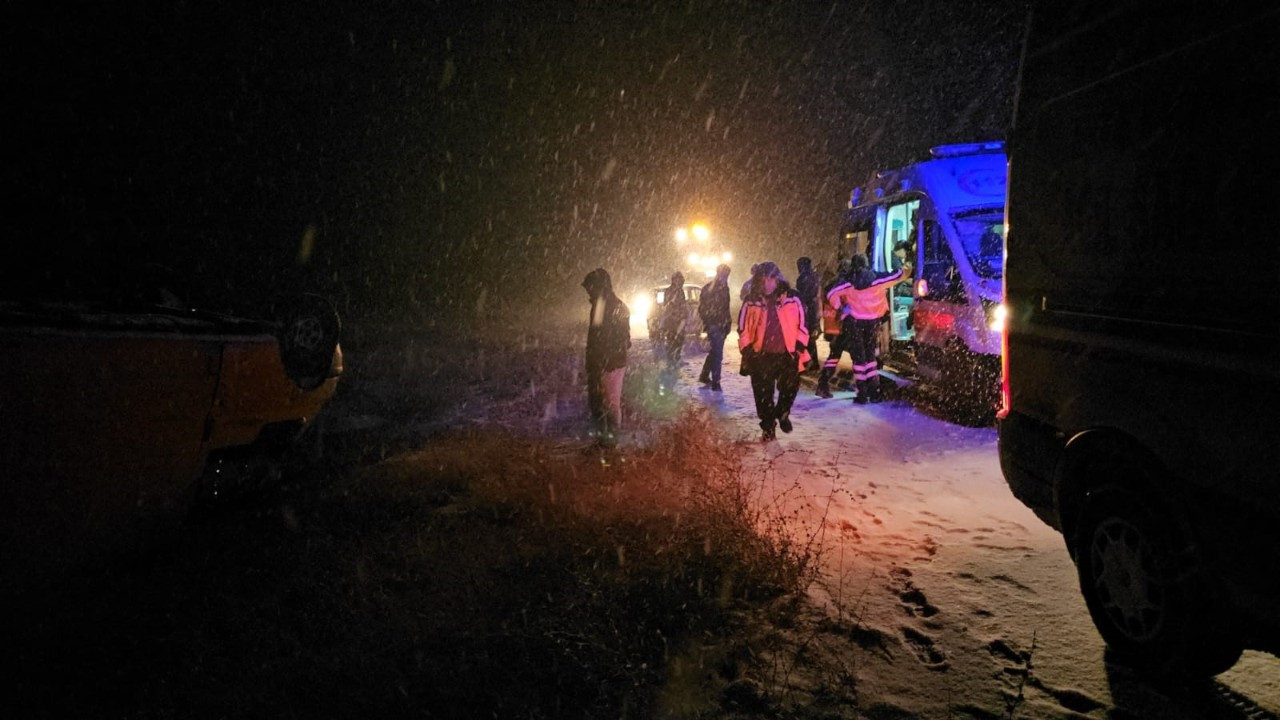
868 303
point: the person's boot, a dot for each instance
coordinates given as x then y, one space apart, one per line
864 394
824 384
769 433
784 423
715 386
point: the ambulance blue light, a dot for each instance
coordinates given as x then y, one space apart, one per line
961 149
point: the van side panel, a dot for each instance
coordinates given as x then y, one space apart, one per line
1143 262
1145 256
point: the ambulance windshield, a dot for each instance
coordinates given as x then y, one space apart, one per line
981 233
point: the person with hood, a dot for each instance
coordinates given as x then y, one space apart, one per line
675 314
807 287
865 301
608 339
713 308
774 343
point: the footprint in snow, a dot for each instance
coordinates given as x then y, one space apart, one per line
912 598
1002 578
927 523
924 648
1002 548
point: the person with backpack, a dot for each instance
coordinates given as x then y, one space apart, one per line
713 309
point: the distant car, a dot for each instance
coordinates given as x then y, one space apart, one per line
657 300
115 422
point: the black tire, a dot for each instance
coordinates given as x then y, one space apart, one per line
1147 590
308 335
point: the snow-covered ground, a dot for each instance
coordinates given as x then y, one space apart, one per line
957 601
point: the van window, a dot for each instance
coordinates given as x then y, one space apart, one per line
856 234
939 269
981 233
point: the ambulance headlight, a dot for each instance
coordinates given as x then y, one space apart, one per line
996 314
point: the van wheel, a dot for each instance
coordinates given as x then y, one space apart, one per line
1146 588
308 337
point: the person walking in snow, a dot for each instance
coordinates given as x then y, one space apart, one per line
608 339
675 315
807 287
773 339
865 299
713 309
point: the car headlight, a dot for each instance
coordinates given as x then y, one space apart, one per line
640 308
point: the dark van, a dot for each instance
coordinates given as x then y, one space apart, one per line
1141 382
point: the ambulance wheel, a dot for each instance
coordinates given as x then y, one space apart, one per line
1144 583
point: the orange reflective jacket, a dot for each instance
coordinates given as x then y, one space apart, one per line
753 316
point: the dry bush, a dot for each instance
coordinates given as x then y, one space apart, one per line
602 575
497 569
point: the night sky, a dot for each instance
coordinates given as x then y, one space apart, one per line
413 157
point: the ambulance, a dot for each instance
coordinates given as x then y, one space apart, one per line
946 214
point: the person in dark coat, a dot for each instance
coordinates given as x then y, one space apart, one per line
833 330
713 309
807 287
671 329
746 286
608 339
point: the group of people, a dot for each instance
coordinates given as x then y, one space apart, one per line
774 336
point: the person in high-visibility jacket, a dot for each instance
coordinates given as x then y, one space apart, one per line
774 343
864 300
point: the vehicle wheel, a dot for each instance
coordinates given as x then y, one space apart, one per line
308 336
1146 588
